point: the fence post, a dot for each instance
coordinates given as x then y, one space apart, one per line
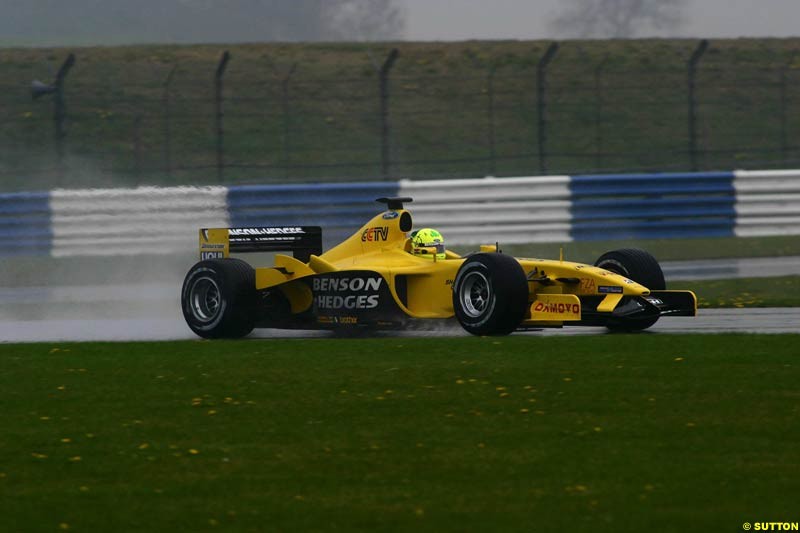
287 148
692 107
784 101
491 119
60 112
384 96
166 106
541 103
137 147
39 89
223 62
599 109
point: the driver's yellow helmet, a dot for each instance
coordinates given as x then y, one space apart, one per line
428 244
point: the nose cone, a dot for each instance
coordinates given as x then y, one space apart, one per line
612 283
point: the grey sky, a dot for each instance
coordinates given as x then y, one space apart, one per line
447 20
111 22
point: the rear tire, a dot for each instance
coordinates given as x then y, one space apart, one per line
219 298
641 267
490 294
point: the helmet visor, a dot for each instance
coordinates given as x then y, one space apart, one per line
430 248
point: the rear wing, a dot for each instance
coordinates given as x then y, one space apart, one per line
302 241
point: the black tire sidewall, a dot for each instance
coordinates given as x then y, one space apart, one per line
636 265
199 326
639 266
235 280
463 274
508 294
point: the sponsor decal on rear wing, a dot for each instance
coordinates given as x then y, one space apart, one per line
302 241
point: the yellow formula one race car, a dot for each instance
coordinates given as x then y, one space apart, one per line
383 278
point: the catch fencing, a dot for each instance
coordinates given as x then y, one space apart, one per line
152 220
341 113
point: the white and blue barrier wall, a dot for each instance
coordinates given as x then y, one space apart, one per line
25 224
162 220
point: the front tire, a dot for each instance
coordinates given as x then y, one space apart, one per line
490 294
641 267
218 298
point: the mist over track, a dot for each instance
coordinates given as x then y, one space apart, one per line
150 311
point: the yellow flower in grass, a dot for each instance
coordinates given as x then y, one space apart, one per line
576 489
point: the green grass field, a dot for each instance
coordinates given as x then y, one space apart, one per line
665 249
782 291
613 433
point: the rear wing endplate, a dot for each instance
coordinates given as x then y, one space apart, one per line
302 241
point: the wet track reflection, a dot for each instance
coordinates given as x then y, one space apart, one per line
150 312
771 320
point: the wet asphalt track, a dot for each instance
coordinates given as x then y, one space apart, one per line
151 311
767 320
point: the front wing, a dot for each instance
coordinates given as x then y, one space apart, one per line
656 304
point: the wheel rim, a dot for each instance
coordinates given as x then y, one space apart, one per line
205 299
475 294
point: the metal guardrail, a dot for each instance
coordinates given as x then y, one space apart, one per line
767 202
144 220
653 206
25 224
340 208
511 210
153 220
